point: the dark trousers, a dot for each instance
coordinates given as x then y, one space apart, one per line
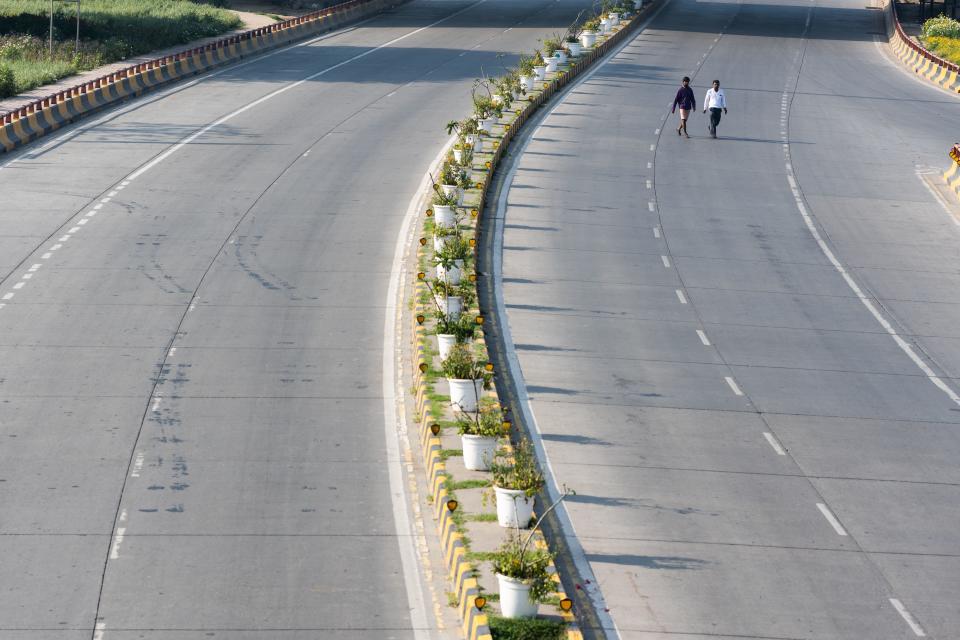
715 113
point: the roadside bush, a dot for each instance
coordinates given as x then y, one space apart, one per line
8 86
947 48
941 27
110 30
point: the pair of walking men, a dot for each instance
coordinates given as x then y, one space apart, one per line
715 101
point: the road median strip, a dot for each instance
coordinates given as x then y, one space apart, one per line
467 525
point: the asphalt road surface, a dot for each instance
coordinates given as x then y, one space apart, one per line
192 315
742 353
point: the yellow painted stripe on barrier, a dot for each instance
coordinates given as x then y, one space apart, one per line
18 129
950 173
5 140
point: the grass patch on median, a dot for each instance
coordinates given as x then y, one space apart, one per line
110 30
526 629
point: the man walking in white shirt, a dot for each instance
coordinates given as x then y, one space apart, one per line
716 102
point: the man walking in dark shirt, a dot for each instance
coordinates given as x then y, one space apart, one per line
687 104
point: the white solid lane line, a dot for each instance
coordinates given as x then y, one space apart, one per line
733 385
703 338
774 443
906 615
832 519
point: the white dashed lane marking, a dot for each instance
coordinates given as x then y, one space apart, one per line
682 298
666 261
656 232
733 386
703 338
832 519
775 443
908 617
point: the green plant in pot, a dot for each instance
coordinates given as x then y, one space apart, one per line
524 577
484 107
517 480
443 235
451 332
504 89
465 376
444 205
551 45
479 433
451 259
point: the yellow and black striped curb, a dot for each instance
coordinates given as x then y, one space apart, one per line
952 177
474 621
942 73
48 114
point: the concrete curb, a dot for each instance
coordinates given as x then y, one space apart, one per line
474 621
48 114
942 73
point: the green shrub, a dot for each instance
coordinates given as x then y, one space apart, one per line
941 27
110 30
8 86
525 628
947 48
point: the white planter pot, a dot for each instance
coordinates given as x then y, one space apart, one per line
552 64
527 82
637 4
452 190
499 99
514 508
474 141
605 26
453 274
561 56
445 342
444 216
515 598
458 156
478 452
464 394
540 72
451 306
614 19
574 48
440 242
588 39
487 124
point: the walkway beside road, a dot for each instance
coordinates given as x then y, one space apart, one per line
763 445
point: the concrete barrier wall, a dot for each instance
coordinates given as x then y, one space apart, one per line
941 72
